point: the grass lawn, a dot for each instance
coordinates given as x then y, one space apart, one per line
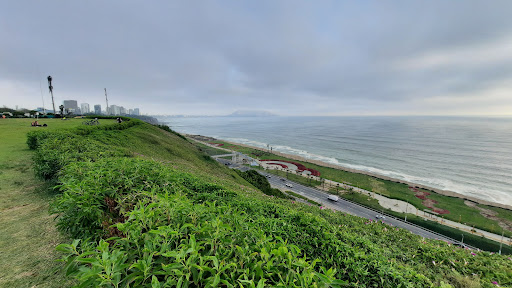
458 210
210 150
27 232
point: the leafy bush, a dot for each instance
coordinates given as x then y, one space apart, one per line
94 195
259 181
144 224
168 129
127 123
34 138
59 149
187 245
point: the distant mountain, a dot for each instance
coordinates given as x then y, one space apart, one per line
251 113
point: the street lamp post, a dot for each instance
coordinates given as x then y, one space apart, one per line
51 92
501 242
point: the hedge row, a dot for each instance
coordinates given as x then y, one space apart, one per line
143 224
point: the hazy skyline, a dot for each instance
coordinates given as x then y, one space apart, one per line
285 57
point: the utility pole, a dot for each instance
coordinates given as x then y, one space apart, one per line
106 98
51 92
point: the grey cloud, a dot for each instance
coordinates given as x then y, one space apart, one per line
214 57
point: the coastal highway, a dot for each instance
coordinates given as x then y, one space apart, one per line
341 205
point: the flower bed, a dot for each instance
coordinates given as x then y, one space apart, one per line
300 167
282 165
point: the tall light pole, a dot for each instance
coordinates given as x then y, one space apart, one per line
51 92
501 242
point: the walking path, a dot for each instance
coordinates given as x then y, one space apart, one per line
404 207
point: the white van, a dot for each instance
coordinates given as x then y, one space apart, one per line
333 198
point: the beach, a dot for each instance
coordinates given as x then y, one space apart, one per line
451 156
324 164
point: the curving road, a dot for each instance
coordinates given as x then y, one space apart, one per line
342 205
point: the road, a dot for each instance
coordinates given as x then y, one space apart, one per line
341 205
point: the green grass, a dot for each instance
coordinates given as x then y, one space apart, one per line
458 210
211 150
303 198
28 236
177 216
470 239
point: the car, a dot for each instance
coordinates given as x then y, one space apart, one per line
333 198
289 185
282 179
268 176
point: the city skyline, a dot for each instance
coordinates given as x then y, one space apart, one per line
71 106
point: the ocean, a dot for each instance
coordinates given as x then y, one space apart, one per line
467 155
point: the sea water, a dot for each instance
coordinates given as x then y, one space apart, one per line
467 155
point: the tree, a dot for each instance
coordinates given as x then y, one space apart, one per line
61 107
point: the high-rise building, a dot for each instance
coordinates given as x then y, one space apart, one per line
71 106
85 108
130 111
97 109
115 110
136 111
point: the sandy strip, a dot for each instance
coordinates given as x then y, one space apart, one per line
320 163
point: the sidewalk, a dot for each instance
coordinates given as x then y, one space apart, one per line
404 207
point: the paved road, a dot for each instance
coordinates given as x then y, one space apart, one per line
342 205
349 207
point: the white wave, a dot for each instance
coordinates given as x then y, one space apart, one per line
248 142
477 191
473 190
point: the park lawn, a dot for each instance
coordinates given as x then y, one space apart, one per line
210 150
28 235
458 210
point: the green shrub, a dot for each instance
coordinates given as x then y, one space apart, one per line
189 245
168 129
170 228
261 182
34 138
59 149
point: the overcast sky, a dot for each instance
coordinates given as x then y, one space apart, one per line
286 57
